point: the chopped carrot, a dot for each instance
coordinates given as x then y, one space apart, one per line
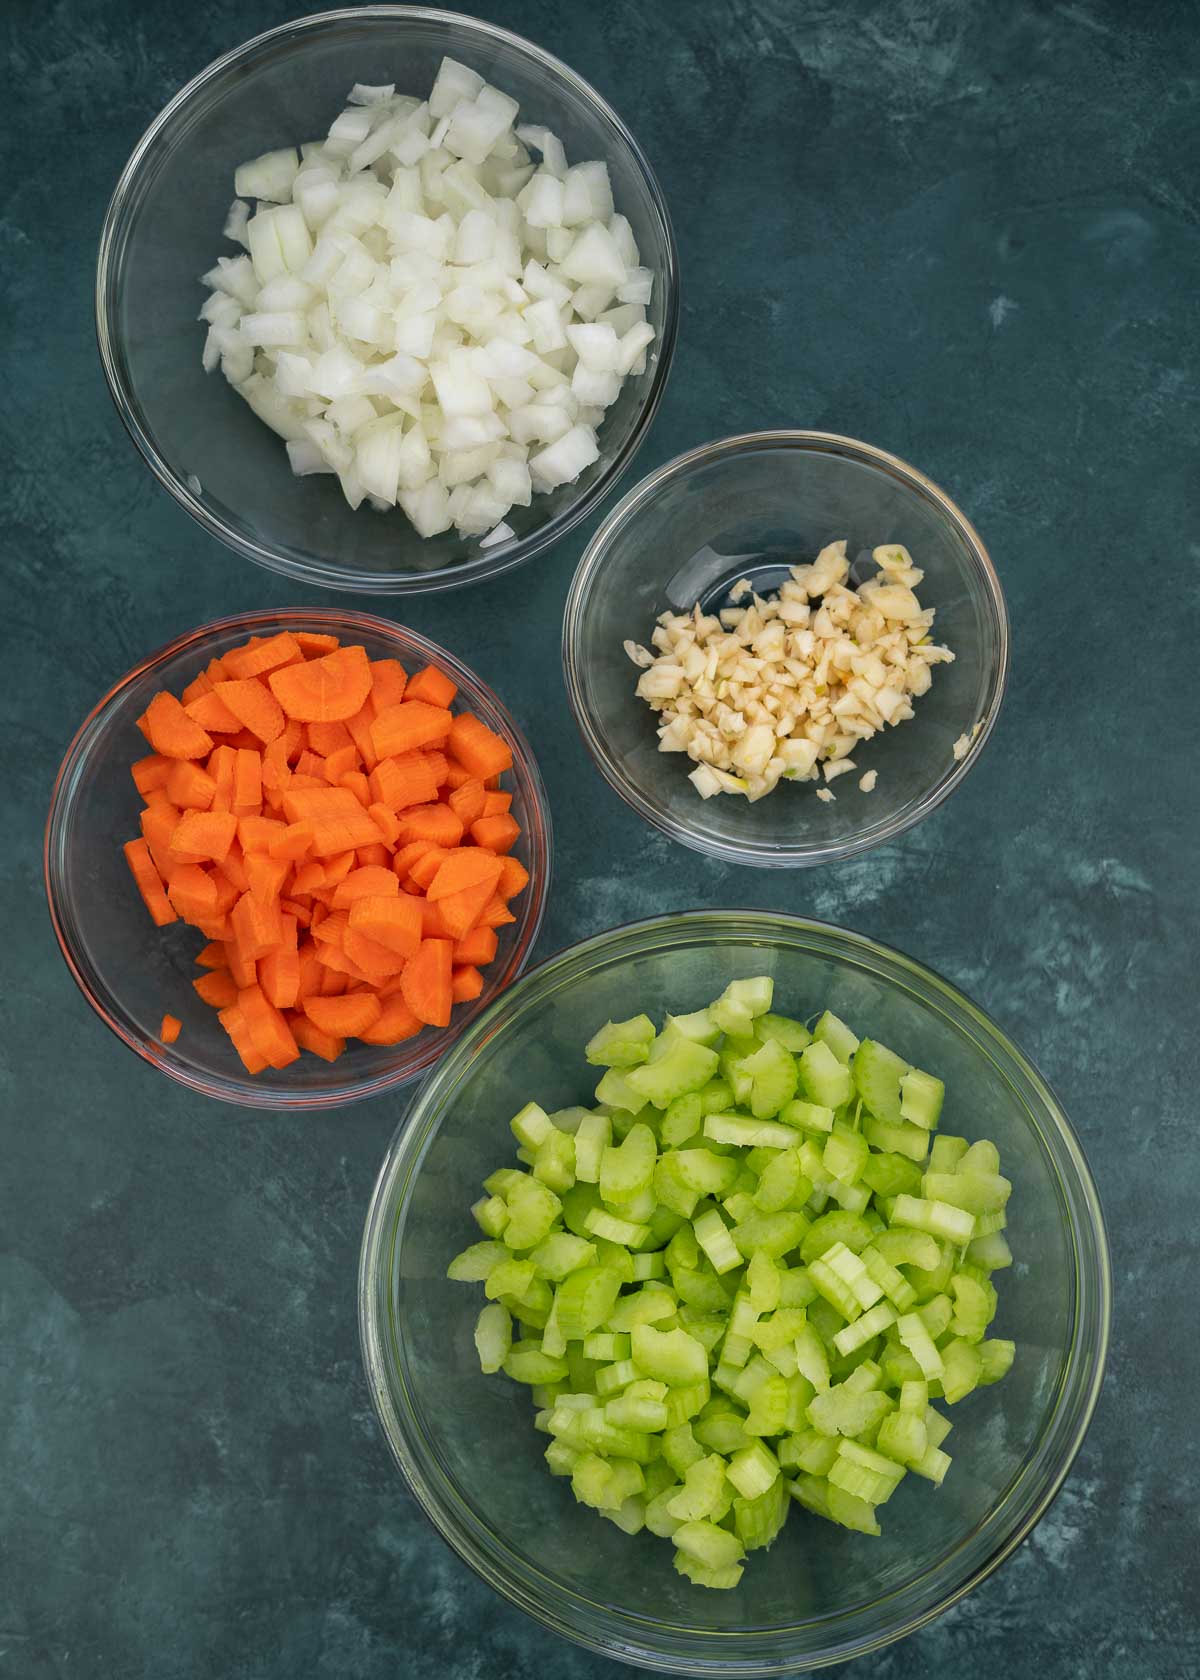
190 787
326 690
192 892
279 977
158 824
326 738
433 924
267 876
171 732
247 782
375 853
398 784
310 1037
498 834
396 1023
457 774
217 989
255 833
206 834
393 921
372 881
233 867
221 763
269 1032
435 822
149 882
496 803
212 956
255 707
294 841
465 866
514 877
388 683
461 910
496 914
477 949
310 876
151 772
408 727
346 1016
211 713
257 927
198 686
340 763
425 983
374 959
314 643
478 748
468 800
311 764
407 855
360 733
242 970
465 983
432 686
356 781
234 1023
385 821
425 867
258 656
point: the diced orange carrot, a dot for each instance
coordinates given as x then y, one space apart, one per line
478 748
376 853
467 801
457 774
461 910
408 727
217 989
310 1037
158 823
433 924
425 867
343 831
294 841
463 867
247 782
255 707
318 801
366 882
149 882
388 683
233 867
360 733
394 921
356 781
151 772
465 983
498 834
425 983
337 971
496 914
234 1023
171 732
346 1016
279 976
396 1023
435 822
385 821
211 713
434 758
477 949
314 644
310 877
326 690
311 764
266 876
432 686
331 930
340 763
496 803
221 764
192 892
189 786
242 969
406 855
228 893
205 834
199 685
398 784
269 1032
255 833
374 959
514 877
257 926
212 956
326 738
258 656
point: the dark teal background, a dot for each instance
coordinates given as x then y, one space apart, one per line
968 232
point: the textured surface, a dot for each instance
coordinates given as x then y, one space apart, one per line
968 232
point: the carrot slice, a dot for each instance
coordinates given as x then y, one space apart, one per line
221 764
266 876
458 774
496 914
171 732
346 1016
255 707
343 831
376 961
425 983
258 656
398 784
360 733
211 713
212 956
461 910
495 803
233 867
247 782
279 977
326 690
234 1024
467 801
205 834
465 983
374 855
433 925
432 686
311 764
294 841
465 866
396 1023
192 892
269 1032
477 948
149 882
190 786
388 683
310 1037
385 821
340 763
408 727
408 854
498 834
392 921
434 822
426 866
313 644
326 738
255 833
356 781
514 877
310 877
370 882
477 747
217 989
257 926
150 772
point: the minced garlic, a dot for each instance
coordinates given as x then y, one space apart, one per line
786 687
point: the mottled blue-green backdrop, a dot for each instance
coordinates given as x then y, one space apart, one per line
968 232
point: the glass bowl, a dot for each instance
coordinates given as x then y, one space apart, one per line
163 230
749 507
132 972
466 1442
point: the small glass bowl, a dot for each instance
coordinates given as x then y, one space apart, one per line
163 230
467 1443
132 973
748 507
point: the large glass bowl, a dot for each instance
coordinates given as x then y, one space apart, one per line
163 230
132 972
466 1442
747 507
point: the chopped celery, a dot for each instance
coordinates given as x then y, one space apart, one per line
824 1079
946 1153
774 1078
793 1035
877 1075
682 1120
491 1215
627 1168
475 1263
712 1234
554 1161
831 1030
807 1116
832 1228
747 1133
621 1044
591 1140
921 1097
845 1155
683 1066
898 1137
493 1336
939 1219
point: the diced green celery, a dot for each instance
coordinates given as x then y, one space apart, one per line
569 1119
648 1268
531 1125
916 1338
982 1157
774 1234
702 1491
707 1327
742 1000
768 1414
631 1234
591 1140
845 1155
807 1116
874 1487
671 1187
490 1214
833 1289
877 1074
630 1517
933 1465
683 1250
607 1345
899 1137
554 1161
526 1363
699 1576
865 1377
739 1206
939 1219
974 1307
627 1169
493 1336
604 1437
753 1470
865 1329
781 1183
681 1449
648 1305
831 1030
936 1314
713 1236
812 1360
554 1342
603 1483
780 1329
682 1066
763 1279
800 1393
697 1026
560 1253
902 1437
682 1120
716 1096
841 1412
561 1458
854 1198
946 1153
849 1229
584 1300
532 1211
991 1251
894 1284
723 1432
921 1097
684 1402
621 1044
633 1410
502 1180
614 1257
758 1521
793 1035
995 1358
809 1451
774 1074
700 1289
670 1356
849 1268
961 1367
899 1366
976 1192
702 1171
914 1397
908 1248
889 1175
510 1278
658 1519
796 1288
475 1263
712 1547
823 1078
611 1379
747 1133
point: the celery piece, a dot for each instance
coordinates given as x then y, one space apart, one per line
611 1379
946 1152
888 1175
671 1187
807 1116
800 1393
683 1250
939 1219
491 1215
995 1359
502 1180
764 1280
698 1026
864 1379
707 1327
935 1315
681 1449
569 1119
933 1465
637 1411
699 1576
774 1076
560 1253
894 1284
902 1437
877 1074
854 1198
475 1263
713 1236
833 1289
871 1486
630 1517
591 1140
823 1078
744 998
607 1225
739 1206
554 1161
701 1170
961 1367
841 1412
554 1342
493 1336
845 1155
916 1338
604 1437
511 1277
812 1360
627 1169
526 1363
757 1521
781 1184
991 1252
747 1133
899 1366
768 1407
976 1192
974 1307
658 1519
865 1329
670 1356
561 1458
793 1035
532 1211
899 1137
531 1125
603 1483
834 1032
921 1097
908 1248
682 1120
849 1268
701 1290
982 1157
607 1345
614 1257
796 1288
615 1091
712 1547
810 1451
702 1490
649 1268
648 1305
683 1066
585 1299
715 1097
774 1234
621 1044
753 1470
723 1432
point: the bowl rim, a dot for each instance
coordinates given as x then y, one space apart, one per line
491 562
1085 1360
238 1088
754 853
